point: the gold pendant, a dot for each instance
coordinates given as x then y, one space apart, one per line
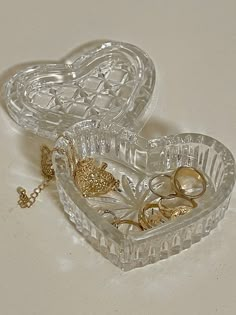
93 180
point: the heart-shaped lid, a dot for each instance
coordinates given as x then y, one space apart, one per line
113 82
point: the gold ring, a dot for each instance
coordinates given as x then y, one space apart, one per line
103 212
186 171
154 192
170 212
118 222
148 223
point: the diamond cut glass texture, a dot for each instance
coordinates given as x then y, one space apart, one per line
113 81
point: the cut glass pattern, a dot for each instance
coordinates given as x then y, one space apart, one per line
114 82
134 160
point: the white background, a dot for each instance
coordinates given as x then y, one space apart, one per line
46 268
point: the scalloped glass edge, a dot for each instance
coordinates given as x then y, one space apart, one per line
50 124
138 249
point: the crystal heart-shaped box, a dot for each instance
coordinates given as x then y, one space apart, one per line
112 81
133 160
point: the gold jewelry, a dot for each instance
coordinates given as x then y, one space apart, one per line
118 222
148 222
91 179
164 213
46 163
108 215
184 172
103 212
175 211
94 180
26 201
150 185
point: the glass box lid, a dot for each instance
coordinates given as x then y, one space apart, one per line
113 81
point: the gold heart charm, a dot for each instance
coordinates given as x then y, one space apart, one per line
93 180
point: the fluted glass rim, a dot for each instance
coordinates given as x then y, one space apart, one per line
150 145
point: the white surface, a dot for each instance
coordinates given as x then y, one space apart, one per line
46 266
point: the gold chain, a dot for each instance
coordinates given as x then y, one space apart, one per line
25 200
91 179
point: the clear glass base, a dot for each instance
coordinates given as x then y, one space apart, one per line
134 160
